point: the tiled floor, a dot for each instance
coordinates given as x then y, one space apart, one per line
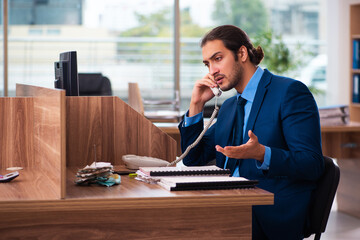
340 226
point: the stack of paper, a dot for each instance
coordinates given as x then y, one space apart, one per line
193 178
184 171
181 183
334 115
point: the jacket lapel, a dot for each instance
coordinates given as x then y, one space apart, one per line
258 100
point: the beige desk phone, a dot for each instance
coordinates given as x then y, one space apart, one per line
134 162
216 91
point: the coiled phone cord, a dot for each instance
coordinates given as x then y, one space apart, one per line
213 115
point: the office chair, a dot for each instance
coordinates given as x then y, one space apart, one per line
94 84
322 199
209 109
137 102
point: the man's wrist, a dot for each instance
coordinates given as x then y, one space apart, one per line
195 108
261 152
188 121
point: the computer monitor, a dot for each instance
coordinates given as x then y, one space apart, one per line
66 75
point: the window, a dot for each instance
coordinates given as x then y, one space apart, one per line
124 40
133 41
1 50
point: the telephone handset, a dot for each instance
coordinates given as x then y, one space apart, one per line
134 162
217 92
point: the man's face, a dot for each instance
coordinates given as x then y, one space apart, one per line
222 65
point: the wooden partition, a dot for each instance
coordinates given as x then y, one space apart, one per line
31 138
45 132
16 141
114 129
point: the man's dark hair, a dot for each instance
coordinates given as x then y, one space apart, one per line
233 38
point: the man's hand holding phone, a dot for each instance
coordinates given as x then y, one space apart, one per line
202 93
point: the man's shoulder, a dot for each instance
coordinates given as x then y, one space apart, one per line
229 101
282 81
275 77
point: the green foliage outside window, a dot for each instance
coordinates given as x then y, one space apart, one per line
160 24
252 17
249 15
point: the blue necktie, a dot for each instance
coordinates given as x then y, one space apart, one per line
238 131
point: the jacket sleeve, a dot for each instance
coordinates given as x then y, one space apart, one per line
204 151
301 128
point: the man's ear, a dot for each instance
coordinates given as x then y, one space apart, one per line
242 53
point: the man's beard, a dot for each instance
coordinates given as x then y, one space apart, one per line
234 78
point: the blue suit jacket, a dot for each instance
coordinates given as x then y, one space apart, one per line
284 117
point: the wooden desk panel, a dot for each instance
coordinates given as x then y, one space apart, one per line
341 144
16 132
118 223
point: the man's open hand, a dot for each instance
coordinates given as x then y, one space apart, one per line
252 149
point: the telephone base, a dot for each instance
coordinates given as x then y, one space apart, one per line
134 162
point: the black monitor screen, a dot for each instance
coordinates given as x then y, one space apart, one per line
66 75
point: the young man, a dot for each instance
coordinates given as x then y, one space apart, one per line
272 136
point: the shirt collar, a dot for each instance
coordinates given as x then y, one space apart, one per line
250 89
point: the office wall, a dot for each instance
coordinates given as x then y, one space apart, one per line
338 40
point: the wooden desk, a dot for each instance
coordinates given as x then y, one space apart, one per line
51 136
131 210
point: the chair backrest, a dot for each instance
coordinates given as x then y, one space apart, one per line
159 109
322 199
134 98
94 84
